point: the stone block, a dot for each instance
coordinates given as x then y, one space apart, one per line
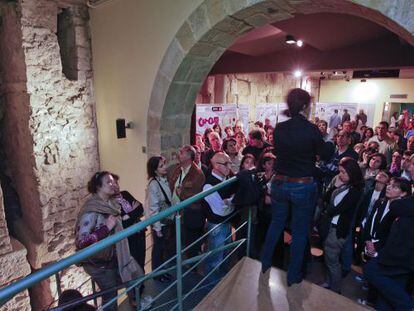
199 22
177 94
172 59
84 52
153 122
39 14
185 36
82 36
234 6
219 38
153 143
183 122
204 50
14 264
259 20
200 68
171 141
5 245
216 11
165 142
20 302
168 123
84 64
233 26
190 100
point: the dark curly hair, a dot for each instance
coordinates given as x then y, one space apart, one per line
96 181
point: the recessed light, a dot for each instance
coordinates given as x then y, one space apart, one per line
299 43
290 39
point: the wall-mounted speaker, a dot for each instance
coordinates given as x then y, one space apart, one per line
120 128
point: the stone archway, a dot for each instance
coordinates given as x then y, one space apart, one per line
212 28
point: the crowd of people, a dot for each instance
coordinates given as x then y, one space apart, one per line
339 179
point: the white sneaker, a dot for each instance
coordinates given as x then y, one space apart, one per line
146 302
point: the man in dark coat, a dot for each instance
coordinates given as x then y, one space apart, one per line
392 270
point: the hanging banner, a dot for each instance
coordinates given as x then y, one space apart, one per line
207 115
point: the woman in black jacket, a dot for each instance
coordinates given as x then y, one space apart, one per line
344 193
131 213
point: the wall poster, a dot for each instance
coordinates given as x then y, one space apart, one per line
207 115
325 110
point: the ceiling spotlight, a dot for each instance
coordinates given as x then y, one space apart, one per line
297 73
290 39
299 43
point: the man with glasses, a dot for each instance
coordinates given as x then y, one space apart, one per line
218 209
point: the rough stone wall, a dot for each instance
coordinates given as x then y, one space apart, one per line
252 89
13 260
5 244
14 266
62 122
50 134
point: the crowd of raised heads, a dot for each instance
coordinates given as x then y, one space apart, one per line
336 184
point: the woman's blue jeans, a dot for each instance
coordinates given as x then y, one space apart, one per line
301 199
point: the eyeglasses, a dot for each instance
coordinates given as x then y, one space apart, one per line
225 163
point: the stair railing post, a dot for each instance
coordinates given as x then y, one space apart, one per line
249 232
179 262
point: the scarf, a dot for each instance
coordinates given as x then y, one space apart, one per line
394 168
127 266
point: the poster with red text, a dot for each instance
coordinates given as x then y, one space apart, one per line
207 115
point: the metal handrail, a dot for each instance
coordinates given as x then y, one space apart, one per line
7 292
